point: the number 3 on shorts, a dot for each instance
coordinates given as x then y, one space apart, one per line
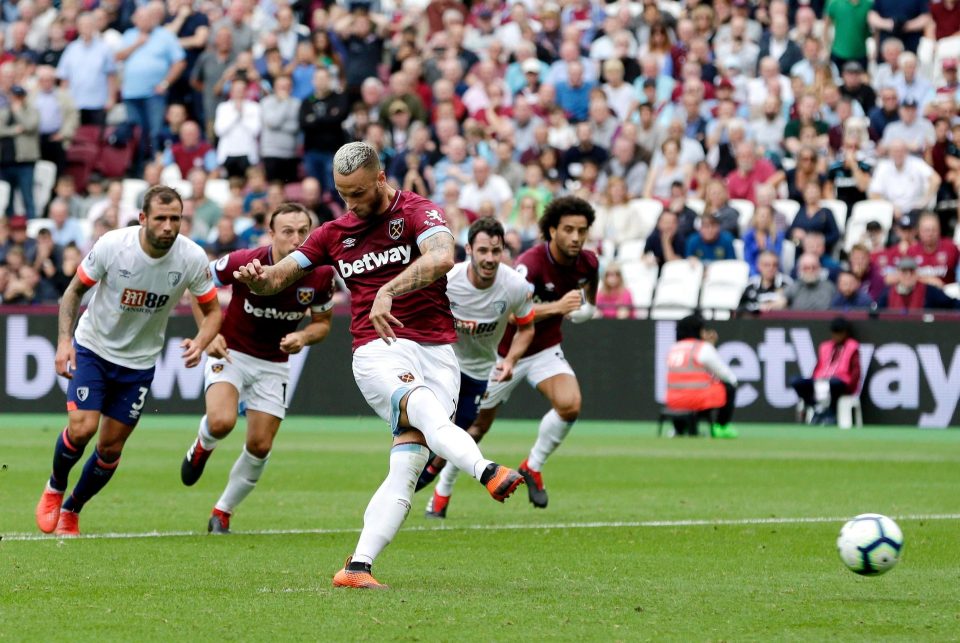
141 400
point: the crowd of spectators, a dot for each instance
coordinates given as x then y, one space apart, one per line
493 108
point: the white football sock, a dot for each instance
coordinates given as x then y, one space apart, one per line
448 477
243 478
389 506
553 429
207 441
445 438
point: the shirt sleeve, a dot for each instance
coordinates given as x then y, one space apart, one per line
710 359
428 219
326 288
201 286
94 265
313 251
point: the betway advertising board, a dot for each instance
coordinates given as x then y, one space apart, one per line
911 370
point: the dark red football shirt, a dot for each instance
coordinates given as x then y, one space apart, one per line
255 324
367 253
551 281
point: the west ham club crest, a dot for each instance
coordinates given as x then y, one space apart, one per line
395 228
305 295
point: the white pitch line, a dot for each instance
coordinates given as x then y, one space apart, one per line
518 527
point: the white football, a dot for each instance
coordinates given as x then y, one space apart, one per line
870 544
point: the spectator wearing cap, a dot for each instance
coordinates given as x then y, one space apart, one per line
909 294
917 132
850 296
321 119
710 243
904 180
936 256
88 71
853 87
19 147
526 69
17 238
152 60
850 22
903 19
812 290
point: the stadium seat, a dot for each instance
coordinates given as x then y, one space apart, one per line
631 250
132 189
945 48
738 245
788 257
115 162
878 210
697 205
839 209
44 178
787 207
745 208
723 286
678 290
170 174
218 191
649 211
183 188
5 197
640 278
35 225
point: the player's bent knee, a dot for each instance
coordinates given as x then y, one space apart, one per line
81 429
259 448
569 411
220 424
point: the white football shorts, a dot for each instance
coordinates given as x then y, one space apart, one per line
386 372
262 384
534 368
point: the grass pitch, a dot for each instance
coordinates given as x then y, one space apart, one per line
644 539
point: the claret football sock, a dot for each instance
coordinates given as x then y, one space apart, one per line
96 474
390 504
65 455
553 430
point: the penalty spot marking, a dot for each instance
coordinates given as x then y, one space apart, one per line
735 522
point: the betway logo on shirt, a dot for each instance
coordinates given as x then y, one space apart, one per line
272 313
374 260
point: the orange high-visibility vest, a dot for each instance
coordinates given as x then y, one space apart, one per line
690 386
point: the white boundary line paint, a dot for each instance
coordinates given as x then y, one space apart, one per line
735 522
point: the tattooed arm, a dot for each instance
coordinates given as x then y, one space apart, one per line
436 260
66 358
268 280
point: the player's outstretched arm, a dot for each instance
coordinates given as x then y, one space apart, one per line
436 260
66 358
268 280
314 332
209 327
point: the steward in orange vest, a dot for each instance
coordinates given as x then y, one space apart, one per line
697 379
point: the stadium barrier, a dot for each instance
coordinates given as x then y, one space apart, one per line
911 369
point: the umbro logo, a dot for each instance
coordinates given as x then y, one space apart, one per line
126 274
349 242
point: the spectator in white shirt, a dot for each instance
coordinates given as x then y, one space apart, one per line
918 133
237 125
904 180
486 188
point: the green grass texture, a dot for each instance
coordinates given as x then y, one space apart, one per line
644 539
